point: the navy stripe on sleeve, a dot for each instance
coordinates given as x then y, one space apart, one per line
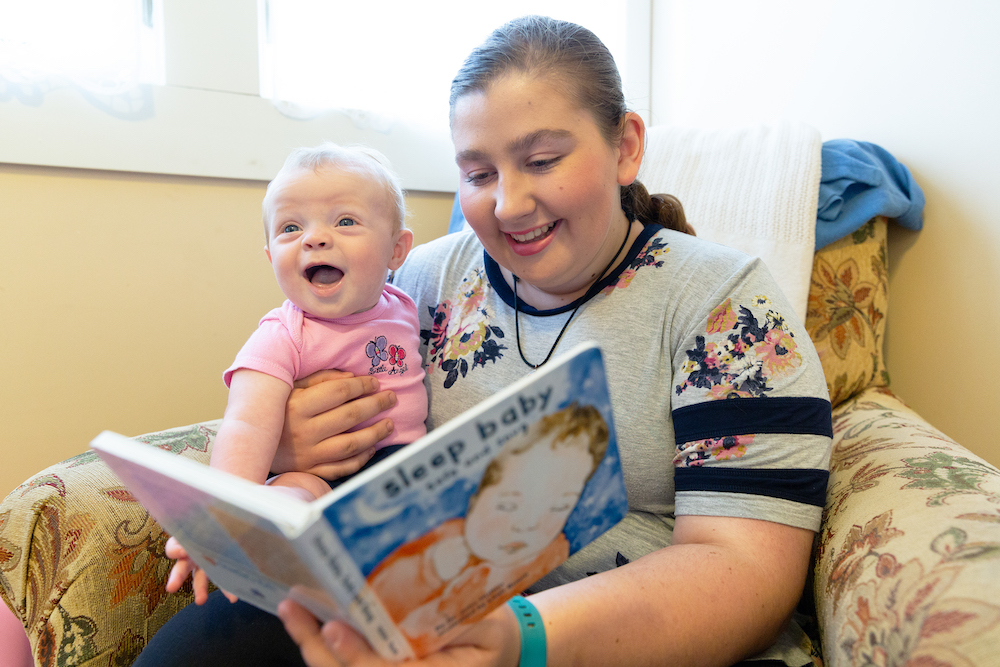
746 416
806 485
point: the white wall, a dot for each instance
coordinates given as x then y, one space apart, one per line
918 78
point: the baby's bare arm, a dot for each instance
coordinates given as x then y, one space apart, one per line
251 427
244 446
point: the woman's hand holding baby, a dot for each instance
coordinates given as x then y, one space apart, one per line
320 410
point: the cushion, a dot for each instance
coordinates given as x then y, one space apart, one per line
848 298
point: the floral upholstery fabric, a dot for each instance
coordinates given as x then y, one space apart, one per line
845 317
82 563
906 566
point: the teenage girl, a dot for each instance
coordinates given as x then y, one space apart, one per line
721 410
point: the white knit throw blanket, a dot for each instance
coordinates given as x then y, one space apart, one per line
755 189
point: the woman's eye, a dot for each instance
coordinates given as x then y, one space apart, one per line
345 222
288 229
506 506
478 177
543 164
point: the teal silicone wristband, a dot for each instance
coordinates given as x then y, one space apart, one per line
532 632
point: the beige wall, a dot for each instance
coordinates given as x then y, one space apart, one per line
123 297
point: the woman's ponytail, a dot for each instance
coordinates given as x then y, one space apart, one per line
661 209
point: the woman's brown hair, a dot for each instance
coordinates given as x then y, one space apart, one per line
569 54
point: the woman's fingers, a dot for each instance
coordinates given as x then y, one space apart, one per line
178 574
200 584
318 415
174 550
493 641
349 647
337 422
304 630
321 376
327 390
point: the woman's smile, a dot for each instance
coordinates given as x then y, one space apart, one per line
533 241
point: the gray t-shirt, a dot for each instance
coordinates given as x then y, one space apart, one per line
683 324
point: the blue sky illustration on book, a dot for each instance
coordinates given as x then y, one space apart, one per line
371 524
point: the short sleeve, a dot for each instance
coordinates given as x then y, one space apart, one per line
751 413
271 350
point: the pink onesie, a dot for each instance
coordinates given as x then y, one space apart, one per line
383 341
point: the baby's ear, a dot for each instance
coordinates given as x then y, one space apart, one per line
404 241
267 251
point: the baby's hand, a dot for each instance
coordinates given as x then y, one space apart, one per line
184 567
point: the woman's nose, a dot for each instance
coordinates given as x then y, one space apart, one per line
513 198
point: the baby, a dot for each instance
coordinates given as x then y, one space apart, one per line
334 226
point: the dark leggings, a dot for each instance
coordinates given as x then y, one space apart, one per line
220 634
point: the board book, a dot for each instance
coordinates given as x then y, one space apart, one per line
434 536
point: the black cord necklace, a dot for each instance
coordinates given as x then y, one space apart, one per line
586 297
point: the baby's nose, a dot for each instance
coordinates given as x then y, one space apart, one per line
316 239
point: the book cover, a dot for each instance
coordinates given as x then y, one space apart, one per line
433 537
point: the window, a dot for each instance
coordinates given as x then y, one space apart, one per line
315 54
105 47
205 116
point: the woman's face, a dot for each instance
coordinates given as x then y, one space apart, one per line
540 184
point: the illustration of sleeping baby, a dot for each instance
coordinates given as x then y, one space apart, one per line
511 535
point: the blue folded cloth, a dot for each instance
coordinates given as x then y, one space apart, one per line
457 219
860 181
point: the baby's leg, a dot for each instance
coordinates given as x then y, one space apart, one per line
15 643
302 485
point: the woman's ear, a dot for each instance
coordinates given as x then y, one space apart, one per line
630 148
404 241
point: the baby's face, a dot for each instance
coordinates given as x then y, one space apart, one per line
518 517
332 240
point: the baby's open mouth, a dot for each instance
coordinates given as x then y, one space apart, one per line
323 274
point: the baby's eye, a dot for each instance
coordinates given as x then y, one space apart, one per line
288 229
346 222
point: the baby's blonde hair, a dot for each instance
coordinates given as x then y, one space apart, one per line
359 159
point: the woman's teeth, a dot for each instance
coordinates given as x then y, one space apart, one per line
533 234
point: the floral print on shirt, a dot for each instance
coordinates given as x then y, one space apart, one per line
650 255
739 358
743 356
461 336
